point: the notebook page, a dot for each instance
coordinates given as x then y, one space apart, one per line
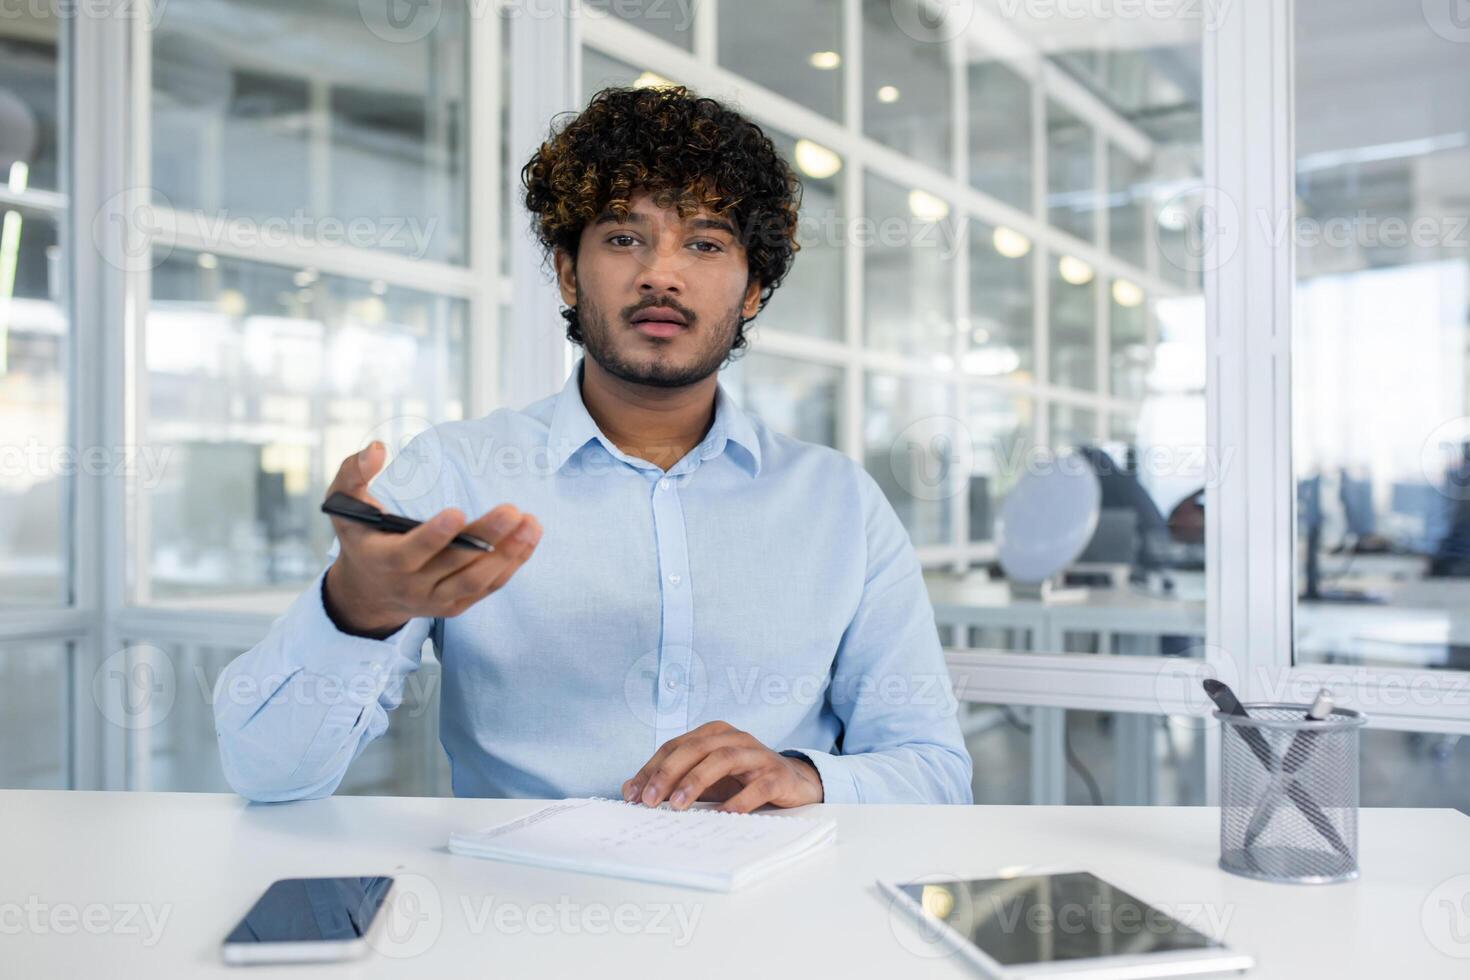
599 833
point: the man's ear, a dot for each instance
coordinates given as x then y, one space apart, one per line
566 275
751 305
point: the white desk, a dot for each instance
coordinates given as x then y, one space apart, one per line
203 859
975 600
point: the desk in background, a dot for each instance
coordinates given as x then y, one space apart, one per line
1420 625
975 601
1424 624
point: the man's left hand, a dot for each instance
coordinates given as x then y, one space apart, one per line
719 762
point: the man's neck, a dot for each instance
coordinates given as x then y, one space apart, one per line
660 425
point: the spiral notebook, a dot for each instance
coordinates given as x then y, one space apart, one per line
697 848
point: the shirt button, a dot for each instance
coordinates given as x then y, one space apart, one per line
670 683
674 580
663 484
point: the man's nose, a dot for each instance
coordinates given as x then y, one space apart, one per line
664 267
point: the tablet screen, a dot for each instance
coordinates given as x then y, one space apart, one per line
1051 918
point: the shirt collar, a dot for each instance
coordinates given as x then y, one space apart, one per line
572 427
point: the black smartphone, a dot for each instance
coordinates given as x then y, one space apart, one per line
301 920
350 508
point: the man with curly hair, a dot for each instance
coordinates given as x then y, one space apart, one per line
716 612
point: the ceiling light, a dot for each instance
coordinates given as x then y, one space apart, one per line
1127 293
231 302
815 160
1010 242
992 362
927 207
1073 270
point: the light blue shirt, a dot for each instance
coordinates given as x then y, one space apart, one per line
761 581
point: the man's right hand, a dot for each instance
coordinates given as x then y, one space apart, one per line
381 581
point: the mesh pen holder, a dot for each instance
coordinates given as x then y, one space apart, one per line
1289 794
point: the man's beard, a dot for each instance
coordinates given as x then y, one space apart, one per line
601 345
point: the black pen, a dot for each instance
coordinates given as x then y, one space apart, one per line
350 508
1296 753
1229 704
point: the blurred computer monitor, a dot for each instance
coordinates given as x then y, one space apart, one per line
1356 496
981 516
1424 514
1116 540
1309 502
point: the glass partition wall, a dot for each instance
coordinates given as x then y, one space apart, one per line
1010 232
1381 374
39 464
1003 195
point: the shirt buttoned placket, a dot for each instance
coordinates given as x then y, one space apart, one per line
680 674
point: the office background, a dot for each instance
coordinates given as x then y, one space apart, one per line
240 239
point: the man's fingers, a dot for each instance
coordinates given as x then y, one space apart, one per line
717 760
492 528
486 573
352 478
357 471
408 553
633 788
644 786
758 792
676 767
714 767
494 524
450 560
515 563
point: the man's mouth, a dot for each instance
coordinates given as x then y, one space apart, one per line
653 324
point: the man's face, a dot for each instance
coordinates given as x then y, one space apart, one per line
654 264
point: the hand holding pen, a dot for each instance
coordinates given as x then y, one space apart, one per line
392 569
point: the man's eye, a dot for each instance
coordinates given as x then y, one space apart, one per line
713 245
616 238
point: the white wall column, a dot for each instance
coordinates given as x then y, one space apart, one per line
545 46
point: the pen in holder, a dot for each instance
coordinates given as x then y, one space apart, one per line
1289 793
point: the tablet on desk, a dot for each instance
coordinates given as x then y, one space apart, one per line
1064 924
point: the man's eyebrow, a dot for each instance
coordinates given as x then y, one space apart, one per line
608 218
638 218
714 224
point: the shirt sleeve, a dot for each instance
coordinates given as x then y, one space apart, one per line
891 689
293 711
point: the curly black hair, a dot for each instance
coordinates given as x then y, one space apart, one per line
687 151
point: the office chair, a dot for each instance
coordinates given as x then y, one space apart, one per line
1452 556
1122 491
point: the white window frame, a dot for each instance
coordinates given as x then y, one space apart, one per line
1249 160
110 66
625 42
1250 533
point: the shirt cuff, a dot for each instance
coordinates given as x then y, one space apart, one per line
362 665
836 775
